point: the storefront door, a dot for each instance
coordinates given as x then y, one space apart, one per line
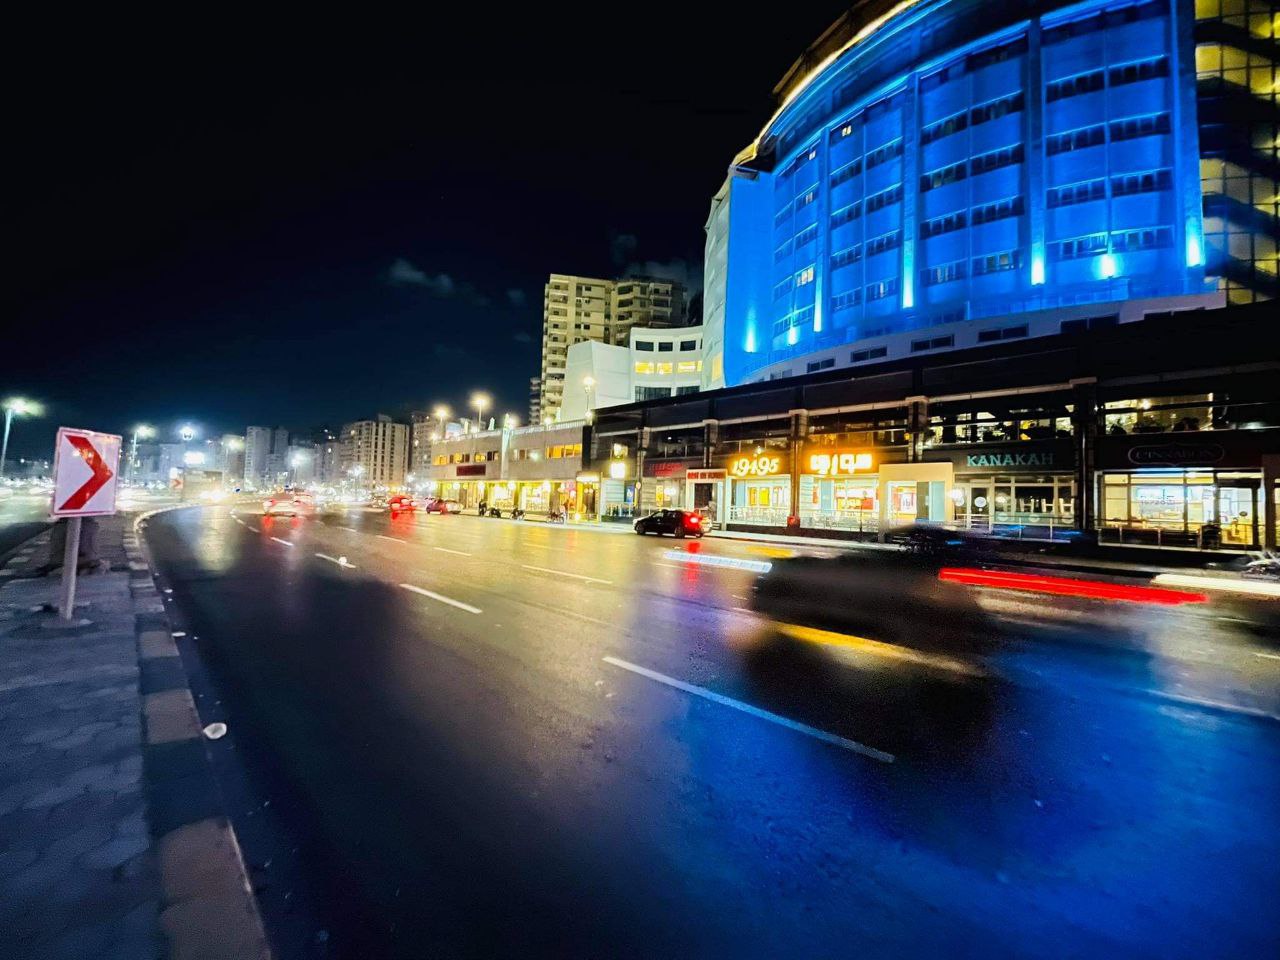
1238 516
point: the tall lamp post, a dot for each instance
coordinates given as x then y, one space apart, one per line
588 384
479 401
140 432
15 406
441 413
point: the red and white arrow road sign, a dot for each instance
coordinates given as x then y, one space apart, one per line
84 473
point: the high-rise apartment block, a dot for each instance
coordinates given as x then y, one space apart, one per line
580 309
376 451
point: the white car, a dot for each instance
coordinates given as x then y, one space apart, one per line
289 505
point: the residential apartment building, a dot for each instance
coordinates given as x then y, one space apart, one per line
231 460
582 309
266 454
653 364
376 451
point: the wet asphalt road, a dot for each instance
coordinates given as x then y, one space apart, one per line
22 516
462 772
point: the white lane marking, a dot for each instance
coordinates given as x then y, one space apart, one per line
1208 704
565 573
254 529
238 520
340 561
285 542
179 633
383 536
461 553
672 566
1268 656
1253 588
714 560
736 597
743 610
443 599
349 529
823 735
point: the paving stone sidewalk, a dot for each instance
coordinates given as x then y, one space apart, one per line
77 875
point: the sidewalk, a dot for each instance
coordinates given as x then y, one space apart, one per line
84 871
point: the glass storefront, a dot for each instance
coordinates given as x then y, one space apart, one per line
989 502
1203 508
841 503
765 501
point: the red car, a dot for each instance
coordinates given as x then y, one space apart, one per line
401 501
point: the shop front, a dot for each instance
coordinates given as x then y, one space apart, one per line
759 491
1026 490
663 484
704 492
839 490
1206 492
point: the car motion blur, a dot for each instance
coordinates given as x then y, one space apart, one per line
896 599
678 523
288 505
441 505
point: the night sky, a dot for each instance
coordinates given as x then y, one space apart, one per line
300 222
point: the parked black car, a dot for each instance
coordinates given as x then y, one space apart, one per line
678 523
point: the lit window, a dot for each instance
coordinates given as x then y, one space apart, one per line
804 277
644 366
687 366
665 369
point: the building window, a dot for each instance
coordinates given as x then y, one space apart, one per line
652 393
881 289
1150 238
881 154
943 273
806 198
945 127
996 262
943 176
1081 192
1135 127
846 173
887 241
846 300
1090 323
1076 139
685 391
688 345
1002 333
644 345
815 365
807 235
688 366
1148 181
941 225
884 198
1000 210
1004 157
872 353
846 256
1078 247
932 343
666 346
846 215
1138 71
644 367
665 369
996 109
1074 86
782 289
804 277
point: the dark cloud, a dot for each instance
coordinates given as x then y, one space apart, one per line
522 337
516 298
622 247
404 274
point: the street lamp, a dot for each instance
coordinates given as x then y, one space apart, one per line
510 421
479 401
588 383
19 407
187 433
140 432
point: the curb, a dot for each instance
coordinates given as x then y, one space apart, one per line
208 910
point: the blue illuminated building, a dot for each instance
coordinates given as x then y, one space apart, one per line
947 173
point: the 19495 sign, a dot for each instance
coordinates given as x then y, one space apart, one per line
763 465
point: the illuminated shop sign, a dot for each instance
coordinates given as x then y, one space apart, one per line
1009 460
763 465
839 464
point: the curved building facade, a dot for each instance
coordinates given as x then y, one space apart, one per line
946 173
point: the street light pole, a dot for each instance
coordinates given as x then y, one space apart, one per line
14 406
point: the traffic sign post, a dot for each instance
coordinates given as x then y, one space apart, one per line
84 485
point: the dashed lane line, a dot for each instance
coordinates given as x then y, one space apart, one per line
287 543
340 561
461 553
441 598
566 573
834 739
383 536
